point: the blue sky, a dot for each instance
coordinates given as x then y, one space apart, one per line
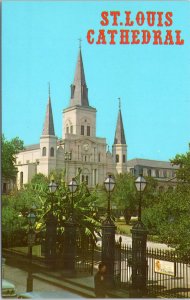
40 45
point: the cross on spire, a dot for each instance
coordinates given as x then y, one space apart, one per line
49 89
119 103
80 41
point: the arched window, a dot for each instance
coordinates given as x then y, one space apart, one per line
82 129
117 158
87 179
44 151
123 158
71 129
52 152
21 179
88 130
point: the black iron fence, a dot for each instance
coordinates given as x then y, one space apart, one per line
84 260
168 272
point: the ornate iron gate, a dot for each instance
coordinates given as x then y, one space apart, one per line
84 260
168 272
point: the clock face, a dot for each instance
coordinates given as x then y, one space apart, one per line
86 147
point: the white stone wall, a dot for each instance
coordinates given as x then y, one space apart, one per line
25 157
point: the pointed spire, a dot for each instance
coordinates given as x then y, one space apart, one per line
79 90
119 132
48 128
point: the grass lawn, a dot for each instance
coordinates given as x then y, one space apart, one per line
122 228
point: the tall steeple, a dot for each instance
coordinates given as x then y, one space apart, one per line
48 128
119 148
79 90
79 118
119 132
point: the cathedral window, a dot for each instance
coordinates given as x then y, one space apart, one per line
123 158
87 179
21 179
52 152
117 158
82 129
88 130
71 129
44 151
82 178
67 129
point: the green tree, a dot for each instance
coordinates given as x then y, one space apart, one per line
169 215
9 151
124 195
169 218
183 161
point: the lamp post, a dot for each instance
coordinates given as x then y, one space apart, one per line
70 233
140 184
108 234
31 239
51 228
67 159
139 240
52 189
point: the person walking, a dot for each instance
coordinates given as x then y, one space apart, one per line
100 284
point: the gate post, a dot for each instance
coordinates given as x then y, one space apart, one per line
50 239
139 261
108 248
70 245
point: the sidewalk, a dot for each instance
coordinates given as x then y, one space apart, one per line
81 285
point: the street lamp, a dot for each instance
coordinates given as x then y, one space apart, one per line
52 188
139 241
72 187
31 217
108 234
109 184
140 184
70 233
51 228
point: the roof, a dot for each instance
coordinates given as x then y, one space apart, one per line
119 132
79 90
151 163
31 147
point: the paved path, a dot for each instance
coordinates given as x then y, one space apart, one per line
128 240
18 277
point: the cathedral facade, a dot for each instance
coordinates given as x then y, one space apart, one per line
79 148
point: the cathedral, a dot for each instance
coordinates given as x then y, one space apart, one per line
79 148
